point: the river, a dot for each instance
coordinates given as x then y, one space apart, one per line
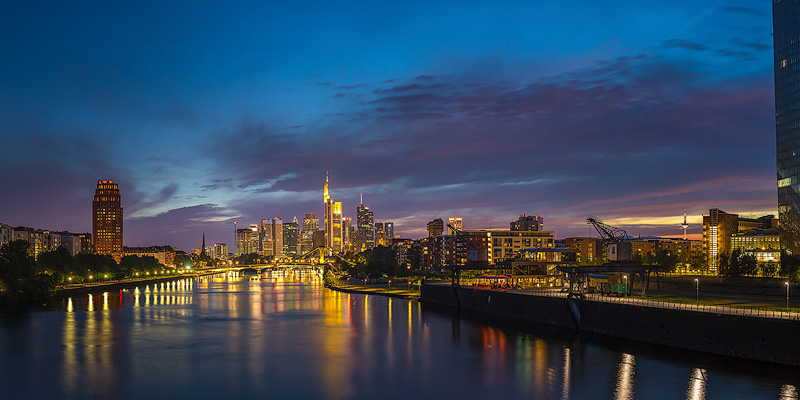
287 337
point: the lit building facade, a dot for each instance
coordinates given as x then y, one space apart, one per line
786 46
456 222
763 244
388 229
333 221
365 222
164 254
107 219
291 238
719 228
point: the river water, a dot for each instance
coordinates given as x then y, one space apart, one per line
287 337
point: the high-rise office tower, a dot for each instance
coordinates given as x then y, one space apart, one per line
277 237
388 228
107 219
365 220
333 221
291 236
347 233
310 225
786 44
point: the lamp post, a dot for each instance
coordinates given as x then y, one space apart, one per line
697 290
625 277
787 296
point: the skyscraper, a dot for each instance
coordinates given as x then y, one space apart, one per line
310 225
333 221
365 221
107 219
786 44
291 236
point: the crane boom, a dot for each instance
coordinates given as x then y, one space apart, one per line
610 234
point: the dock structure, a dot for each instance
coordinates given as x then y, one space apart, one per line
578 275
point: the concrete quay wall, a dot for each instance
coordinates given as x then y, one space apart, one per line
754 338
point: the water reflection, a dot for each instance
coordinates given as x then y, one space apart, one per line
697 385
290 338
625 377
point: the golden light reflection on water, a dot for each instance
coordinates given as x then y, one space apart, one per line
788 392
625 377
697 385
566 373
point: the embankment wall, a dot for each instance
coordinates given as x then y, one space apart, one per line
754 338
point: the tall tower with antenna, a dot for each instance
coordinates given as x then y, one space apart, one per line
685 225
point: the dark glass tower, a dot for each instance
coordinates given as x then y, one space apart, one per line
786 42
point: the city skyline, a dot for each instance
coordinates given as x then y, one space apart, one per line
486 112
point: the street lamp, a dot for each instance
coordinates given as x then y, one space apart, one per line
697 289
787 296
625 277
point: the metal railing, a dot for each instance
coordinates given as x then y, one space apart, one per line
758 312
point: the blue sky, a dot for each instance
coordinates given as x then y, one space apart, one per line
205 113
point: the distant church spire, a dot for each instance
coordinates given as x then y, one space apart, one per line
203 249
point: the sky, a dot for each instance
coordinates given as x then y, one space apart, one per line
206 113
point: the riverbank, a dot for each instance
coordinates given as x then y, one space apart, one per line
754 337
118 285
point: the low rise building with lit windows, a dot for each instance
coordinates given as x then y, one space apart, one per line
763 244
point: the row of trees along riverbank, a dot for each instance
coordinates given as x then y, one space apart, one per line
29 280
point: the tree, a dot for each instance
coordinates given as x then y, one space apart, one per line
58 261
666 260
182 261
19 275
790 265
748 265
699 261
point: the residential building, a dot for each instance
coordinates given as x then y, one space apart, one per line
528 223
164 254
456 222
107 219
786 46
435 227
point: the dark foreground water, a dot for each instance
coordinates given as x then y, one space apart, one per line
290 338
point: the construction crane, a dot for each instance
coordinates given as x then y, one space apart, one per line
610 234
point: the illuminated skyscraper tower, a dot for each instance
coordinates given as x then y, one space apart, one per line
107 219
786 44
333 221
365 221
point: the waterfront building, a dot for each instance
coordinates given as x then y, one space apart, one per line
310 225
719 227
291 238
763 244
501 245
528 223
435 227
33 236
786 46
164 254
247 240
333 220
588 250
87 247
220 251
365 220
107 219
